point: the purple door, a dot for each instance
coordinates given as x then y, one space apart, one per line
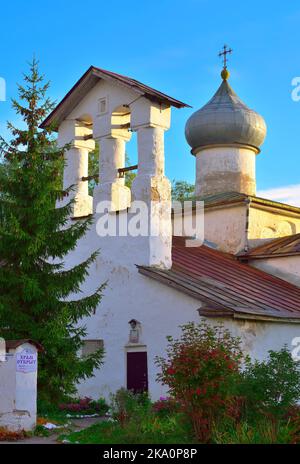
137 371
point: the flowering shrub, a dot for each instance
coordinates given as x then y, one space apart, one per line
235 408
201 369
165 406
85 405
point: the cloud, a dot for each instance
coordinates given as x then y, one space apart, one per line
289 194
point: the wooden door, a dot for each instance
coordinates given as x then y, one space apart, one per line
137 371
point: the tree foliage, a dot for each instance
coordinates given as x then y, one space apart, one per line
182 190
39 297
271 386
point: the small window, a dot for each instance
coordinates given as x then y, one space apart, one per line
102 105
91 346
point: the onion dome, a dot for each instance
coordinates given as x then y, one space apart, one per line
225 120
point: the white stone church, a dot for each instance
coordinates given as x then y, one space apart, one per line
246 274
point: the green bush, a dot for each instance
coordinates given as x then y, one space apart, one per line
272 386
126 404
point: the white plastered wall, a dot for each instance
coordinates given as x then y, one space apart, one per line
266 223
285 267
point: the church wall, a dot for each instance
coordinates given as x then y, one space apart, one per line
265 224
159 309
287 267
257 338
89 105
225 227
128 295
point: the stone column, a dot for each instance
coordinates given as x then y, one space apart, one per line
151 151
154 189
111 186
76 165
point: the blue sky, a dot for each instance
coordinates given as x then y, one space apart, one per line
172 46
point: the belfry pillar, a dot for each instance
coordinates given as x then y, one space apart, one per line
76 164
111 186
154 189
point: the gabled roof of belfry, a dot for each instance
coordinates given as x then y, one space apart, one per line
90 78
226 287
278 247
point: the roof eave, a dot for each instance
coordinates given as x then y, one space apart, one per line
249 257
235 314
51 117
98 73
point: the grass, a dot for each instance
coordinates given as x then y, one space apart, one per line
171 430
62 417
263 432
162 431
136 420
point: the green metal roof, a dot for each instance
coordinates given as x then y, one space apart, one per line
229 198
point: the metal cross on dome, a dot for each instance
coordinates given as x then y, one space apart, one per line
226 51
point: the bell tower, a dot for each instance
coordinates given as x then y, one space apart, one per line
107 108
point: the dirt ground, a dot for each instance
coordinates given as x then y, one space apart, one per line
77 425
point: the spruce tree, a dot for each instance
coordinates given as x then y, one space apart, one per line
39 298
